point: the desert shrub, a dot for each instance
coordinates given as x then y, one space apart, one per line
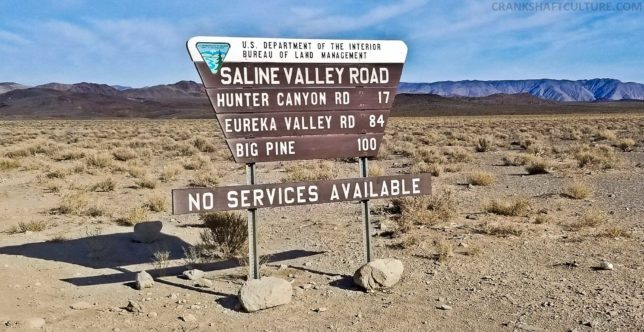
124 154
156 203
457 154
185 149
601 156
147 182
376 170
202 145
515 207
592 218
480 178
136 171
58 173
626 144
430 210
429 155
205 178
32 226
542 219
499 230
7 164
577 190
444 250
133 217
98 160
484 144
94 210
385 152
18 153
73 203
194 163
615 232
53 187
161 259
423 167
169 173
70 154
323 170
606 135
538 166
107 184
407 242
226 233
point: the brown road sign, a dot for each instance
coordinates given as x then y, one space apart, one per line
304 147
256 75
300 99
198 200
249 125
324 83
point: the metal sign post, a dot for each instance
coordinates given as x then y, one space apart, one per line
364 172
253 259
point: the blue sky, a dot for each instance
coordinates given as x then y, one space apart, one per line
139 43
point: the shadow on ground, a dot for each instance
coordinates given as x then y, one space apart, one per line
114 251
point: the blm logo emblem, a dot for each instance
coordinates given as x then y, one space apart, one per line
213 54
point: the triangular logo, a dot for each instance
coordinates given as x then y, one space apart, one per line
213 54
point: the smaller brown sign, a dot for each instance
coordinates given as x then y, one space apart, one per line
284 148
300 99
278 124
198 200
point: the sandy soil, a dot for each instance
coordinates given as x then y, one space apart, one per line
542 278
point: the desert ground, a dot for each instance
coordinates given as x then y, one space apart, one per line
527 214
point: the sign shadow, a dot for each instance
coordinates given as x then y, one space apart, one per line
114 251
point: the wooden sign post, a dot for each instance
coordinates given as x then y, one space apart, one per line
296 99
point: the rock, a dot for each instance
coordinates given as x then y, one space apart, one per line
322 309
144 280
283 267
306 286
133 306
188 318
82 305
147 231
153 314
605 265
381 273
203 283
444 307
193 274
267 292
35 323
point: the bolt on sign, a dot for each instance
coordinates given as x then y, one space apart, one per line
297 99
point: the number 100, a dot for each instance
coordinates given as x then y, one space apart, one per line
367 144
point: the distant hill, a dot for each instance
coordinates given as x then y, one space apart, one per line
187 99
90 100
10 86
557 90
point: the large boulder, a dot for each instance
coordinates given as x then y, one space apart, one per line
144 280
147 231
378 274
267 292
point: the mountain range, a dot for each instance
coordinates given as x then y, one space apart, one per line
556 90
187 99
